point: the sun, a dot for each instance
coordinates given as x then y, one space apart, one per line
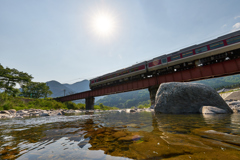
103 24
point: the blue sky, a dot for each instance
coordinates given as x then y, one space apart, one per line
55 39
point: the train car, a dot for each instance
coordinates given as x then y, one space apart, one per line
213 51
133 72
197 55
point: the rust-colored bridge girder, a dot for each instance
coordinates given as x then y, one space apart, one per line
229 67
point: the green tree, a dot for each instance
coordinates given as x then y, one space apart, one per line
35 90
101 106
9 78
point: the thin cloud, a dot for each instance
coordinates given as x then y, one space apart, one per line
110 54
236 17
236 26
119 56
225 25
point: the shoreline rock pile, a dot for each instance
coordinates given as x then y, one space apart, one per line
12 113
234 105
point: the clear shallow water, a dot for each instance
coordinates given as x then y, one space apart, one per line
121 136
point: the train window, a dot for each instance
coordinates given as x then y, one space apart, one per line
175 57
156 62
216 45
186 54
200 50
164 60
134 69
141 67
233 40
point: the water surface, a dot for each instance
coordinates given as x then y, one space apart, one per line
115 135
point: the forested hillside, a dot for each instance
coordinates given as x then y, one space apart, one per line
126 100
222 82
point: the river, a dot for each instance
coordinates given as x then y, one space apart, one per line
120 135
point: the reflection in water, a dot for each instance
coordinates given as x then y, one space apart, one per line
216 119
235 124
122 136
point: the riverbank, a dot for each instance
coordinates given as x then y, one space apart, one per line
232 98
12 113
21 103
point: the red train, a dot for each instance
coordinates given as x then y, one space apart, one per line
217 50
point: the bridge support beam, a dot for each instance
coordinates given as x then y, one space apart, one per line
89 103
152 90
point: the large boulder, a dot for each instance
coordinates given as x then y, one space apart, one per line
179 97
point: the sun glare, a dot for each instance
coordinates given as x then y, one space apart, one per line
103 24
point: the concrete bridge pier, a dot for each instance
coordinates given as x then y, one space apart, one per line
89 103
152 90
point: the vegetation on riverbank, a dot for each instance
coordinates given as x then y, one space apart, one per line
138 98
11 77
19 103
31 94
231 90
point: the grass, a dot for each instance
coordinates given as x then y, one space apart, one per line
232 90
20 103
142 106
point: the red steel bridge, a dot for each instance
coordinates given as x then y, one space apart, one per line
215 58
224 68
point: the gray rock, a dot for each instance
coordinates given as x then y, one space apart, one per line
212 110
235 106
25 115
5 115
233 96
19 117
44 114
151 107
22 111
178 98
5 112
12 111
132 110
127 110
35 114
77 111
234 103
236 110
149 110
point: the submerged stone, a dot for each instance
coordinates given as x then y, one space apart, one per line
119 134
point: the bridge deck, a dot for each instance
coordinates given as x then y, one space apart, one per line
209 71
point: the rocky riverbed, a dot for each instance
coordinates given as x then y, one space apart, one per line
12 113
234 105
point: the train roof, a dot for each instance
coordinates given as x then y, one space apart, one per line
159 57
230 35
120 70
219 39
200 45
